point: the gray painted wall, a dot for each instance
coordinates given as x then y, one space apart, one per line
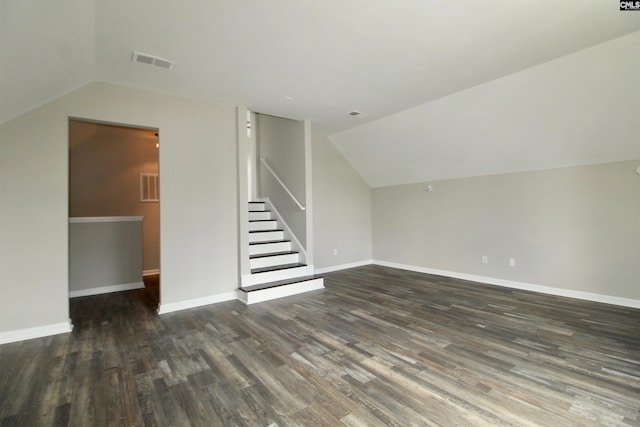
342 208
281 142
198 217
105 253
573 228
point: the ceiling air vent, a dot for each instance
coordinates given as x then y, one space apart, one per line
144 58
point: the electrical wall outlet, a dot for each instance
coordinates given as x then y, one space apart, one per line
512 262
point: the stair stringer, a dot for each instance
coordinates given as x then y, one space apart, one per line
288 234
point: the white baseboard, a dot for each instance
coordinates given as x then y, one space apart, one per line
587 296
37 332
324 270
151 272
197 302
106 289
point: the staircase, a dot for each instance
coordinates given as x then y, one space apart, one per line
276 270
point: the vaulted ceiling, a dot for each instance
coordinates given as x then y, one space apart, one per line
398 62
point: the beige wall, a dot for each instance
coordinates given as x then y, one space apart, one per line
105 163
198 217
572 228
342 208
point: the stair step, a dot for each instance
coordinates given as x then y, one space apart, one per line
258 215
263 224
265 235
281 288
281 272
277 283
257 207
273 259
277 268
269 246
268 254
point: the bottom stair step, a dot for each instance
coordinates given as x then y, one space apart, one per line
276 268
278 289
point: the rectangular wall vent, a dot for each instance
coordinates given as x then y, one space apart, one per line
149 188
144 58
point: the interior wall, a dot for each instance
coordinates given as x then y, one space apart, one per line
198 218
342 208
571 228
281 142
105 163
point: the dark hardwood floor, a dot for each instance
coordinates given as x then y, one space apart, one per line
378 346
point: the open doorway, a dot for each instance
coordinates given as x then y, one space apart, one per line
114 210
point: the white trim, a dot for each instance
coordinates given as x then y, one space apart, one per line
197 302
587 296
308 191
83 219
106 289
324 270
268 294
151 272
273 209
37 332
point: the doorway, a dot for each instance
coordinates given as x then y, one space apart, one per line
114 209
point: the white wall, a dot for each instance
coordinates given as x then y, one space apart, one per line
198 217
572 228
342 208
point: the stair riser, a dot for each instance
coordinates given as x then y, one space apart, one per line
272 261
263 225
265 237
281 291
256 216
256 207
269 248
273 276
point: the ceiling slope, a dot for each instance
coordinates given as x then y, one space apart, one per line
316 59
47 48
583 108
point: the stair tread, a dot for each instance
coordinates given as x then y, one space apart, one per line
262 220
277 268
265 231
266 242
261 286
274 254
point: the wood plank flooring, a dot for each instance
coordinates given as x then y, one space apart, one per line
377 347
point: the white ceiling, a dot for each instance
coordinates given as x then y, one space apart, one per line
331 56
582 108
